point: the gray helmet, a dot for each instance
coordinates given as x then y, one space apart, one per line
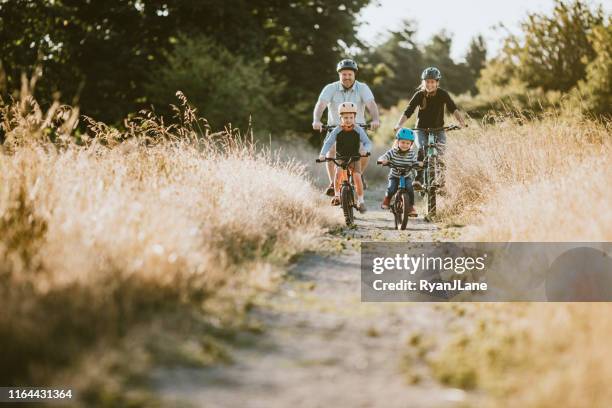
347 64
431 73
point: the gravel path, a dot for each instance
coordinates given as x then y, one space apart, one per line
323 347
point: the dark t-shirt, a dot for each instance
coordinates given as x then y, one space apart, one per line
431 109
347 143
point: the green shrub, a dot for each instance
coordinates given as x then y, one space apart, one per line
225 88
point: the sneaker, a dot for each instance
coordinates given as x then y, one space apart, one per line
330 190
417 186
362 208
386 204
335 200
412 212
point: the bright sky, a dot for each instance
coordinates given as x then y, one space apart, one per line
462 19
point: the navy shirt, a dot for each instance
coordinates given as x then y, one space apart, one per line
431 108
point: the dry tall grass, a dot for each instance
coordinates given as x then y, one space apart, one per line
142 227
540 180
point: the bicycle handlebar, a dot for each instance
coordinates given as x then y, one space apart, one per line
393 166
446 128
326 128
349 158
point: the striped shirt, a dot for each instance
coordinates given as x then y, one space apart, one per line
400 159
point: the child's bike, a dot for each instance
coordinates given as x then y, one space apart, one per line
347 190
400 202
432 174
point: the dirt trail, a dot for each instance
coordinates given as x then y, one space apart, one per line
321 346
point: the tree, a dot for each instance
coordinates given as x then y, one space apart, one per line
476 59
104 52
224 87
394 67
598 82
456 77
554 50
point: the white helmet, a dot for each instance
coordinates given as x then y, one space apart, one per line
347 107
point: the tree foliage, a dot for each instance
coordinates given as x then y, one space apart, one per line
226 88
103 51
554 50
394 67
597 86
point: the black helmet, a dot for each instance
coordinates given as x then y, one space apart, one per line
431 73
347 64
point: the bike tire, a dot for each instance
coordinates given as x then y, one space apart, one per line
397 212
346 200
431 187
405 200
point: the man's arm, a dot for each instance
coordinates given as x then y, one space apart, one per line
368 98
324 98
317 113
373 109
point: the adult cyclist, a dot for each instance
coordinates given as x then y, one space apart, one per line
346 89
431 101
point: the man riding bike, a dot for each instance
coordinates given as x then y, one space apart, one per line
346 89
431 100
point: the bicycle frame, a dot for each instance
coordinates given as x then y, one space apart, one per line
431 165
347 191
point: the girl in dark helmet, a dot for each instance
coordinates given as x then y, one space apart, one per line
431 100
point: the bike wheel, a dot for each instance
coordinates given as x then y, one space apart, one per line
397 212
431 187
405 200
346 199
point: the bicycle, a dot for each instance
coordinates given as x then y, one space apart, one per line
432 174
347 190
400 204
325 129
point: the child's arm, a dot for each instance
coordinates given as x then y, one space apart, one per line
329 141
385 157
364 139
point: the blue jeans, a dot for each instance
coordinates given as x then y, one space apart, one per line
421 139
393 186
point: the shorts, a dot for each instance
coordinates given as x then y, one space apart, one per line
355 166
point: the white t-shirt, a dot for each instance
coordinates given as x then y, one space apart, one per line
334 94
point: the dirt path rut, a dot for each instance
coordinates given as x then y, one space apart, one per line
322 346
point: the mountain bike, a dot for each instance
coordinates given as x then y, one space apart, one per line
400 202
433 177
347 190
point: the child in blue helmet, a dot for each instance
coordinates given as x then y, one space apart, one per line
403 153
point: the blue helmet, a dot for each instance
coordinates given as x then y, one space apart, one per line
405 134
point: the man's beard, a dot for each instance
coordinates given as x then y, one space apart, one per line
351 83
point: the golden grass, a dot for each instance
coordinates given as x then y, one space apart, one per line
542 180
155 230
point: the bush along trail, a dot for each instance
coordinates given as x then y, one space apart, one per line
321 346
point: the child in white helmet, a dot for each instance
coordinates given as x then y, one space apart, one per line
348 137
